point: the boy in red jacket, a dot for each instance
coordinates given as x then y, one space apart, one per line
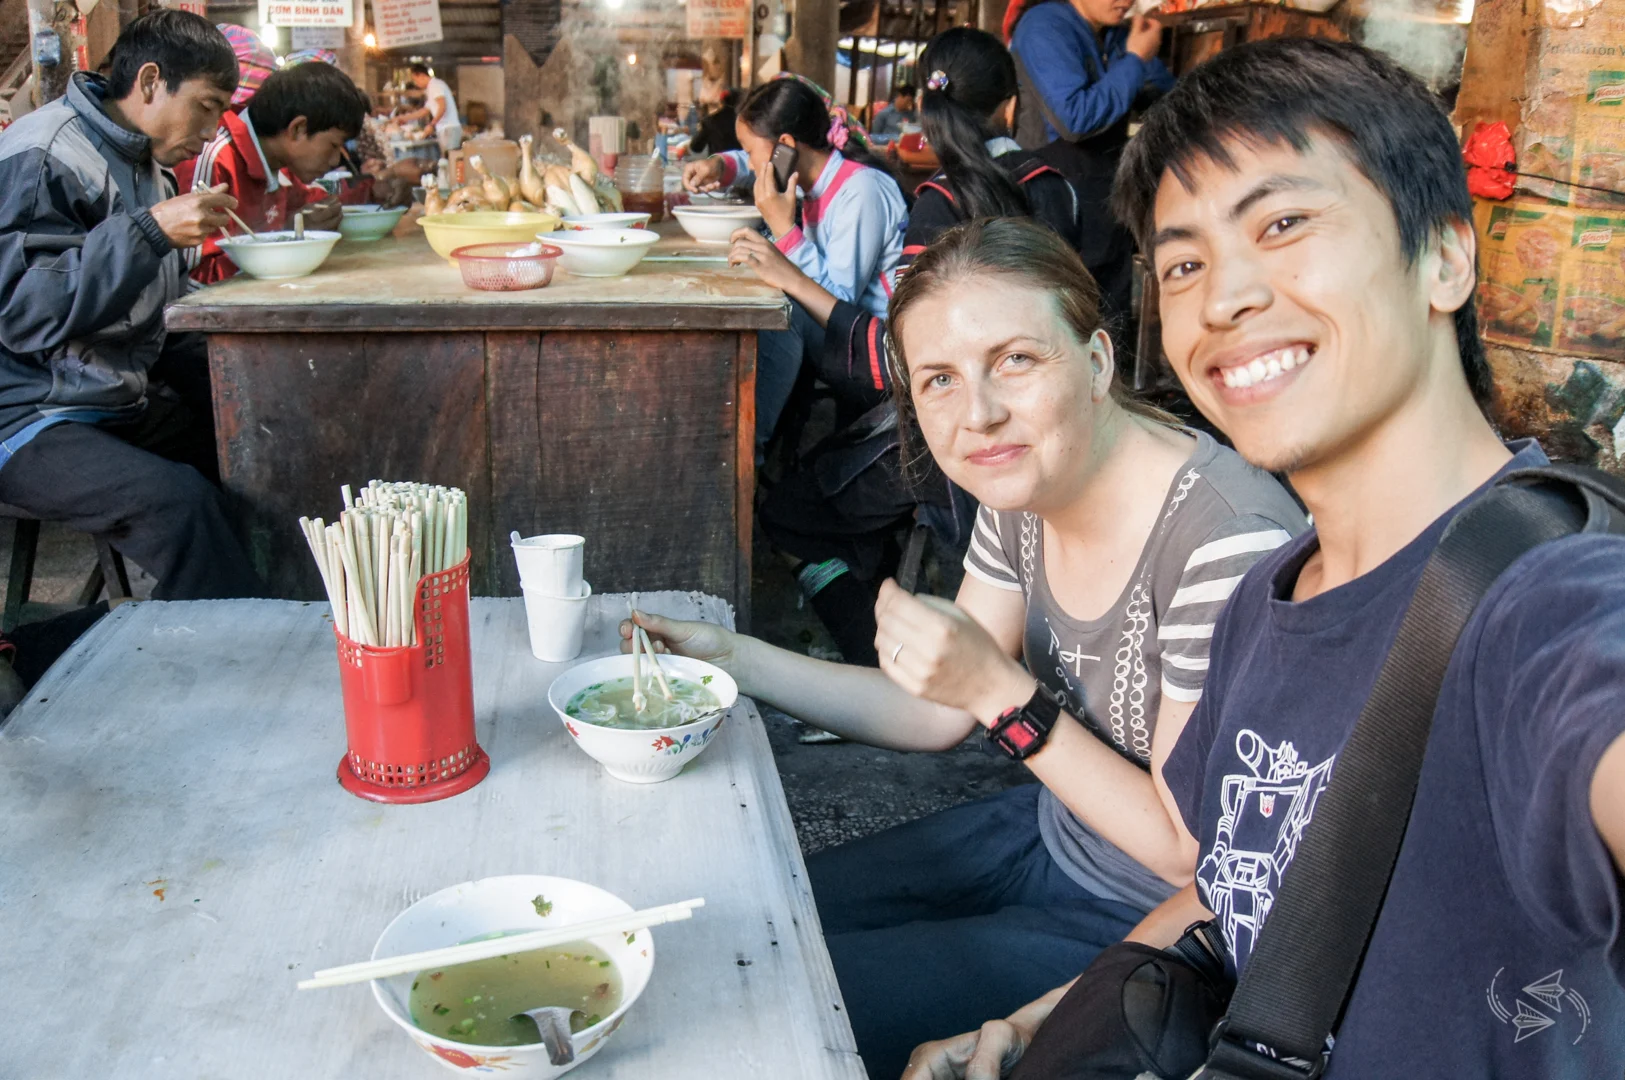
297 122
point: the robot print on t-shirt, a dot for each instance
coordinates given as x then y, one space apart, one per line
1263 814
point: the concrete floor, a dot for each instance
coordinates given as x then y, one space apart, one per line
836 791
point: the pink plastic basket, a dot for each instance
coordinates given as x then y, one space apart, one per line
506 267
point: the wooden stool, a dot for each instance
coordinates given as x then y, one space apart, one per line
108 572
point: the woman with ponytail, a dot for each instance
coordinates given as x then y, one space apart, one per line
834 517
845 234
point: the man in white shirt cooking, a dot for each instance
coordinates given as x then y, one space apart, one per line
439 108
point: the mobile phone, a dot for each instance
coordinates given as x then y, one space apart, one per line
784 163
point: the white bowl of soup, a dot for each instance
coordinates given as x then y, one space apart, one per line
461 1015
716 224
594 701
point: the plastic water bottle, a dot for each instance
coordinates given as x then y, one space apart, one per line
660 147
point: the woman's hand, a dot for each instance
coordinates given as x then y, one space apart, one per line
935 650
703 175
976 1055
778 207
699 640
751 249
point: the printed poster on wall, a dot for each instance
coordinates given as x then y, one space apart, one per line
718 18
323 37
405 22
338 13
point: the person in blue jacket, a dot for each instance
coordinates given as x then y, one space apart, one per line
1082 65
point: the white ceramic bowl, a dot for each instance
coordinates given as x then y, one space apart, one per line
642 756
367 223
602 252
715 224
495 905
286 258
606 221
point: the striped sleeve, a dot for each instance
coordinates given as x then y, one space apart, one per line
987 559
202 178
1211 574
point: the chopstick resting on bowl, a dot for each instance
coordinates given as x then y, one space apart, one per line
485 949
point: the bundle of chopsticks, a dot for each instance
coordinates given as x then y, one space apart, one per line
640 643
371 559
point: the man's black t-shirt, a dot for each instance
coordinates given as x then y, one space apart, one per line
1499 952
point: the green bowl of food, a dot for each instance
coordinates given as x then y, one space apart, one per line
368 222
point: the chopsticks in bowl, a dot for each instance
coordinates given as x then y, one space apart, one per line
485 949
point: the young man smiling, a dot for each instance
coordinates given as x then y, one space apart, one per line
1305 207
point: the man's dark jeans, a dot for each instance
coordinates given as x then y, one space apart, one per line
962 917
145 486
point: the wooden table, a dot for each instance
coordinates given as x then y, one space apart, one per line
177 852
622 409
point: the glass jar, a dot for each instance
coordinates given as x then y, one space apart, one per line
640 178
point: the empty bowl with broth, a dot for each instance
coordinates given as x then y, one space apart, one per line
277 256
595 702
602 252
461 1015
716 224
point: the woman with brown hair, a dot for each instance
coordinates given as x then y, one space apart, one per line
1108 540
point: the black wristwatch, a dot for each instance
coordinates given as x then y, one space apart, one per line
1021 731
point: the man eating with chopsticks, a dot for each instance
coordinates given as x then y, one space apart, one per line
105 420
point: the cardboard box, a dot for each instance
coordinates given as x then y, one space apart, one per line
1552 278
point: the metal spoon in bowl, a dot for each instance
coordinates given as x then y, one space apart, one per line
553 1027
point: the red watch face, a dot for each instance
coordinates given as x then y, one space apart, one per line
1020 736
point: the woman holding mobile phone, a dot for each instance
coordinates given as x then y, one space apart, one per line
846 234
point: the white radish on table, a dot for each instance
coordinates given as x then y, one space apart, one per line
383 544
581 192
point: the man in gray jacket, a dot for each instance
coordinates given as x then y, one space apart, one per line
105 419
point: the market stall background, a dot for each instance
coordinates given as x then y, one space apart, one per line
1553 295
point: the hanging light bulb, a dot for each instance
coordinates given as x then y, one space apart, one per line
370 41
632 59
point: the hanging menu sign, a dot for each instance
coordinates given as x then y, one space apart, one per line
405 22
316 38
306 13
718 18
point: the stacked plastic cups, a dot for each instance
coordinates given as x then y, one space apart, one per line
556 595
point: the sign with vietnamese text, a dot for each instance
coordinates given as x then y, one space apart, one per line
405 22
306 13
322 37
718 18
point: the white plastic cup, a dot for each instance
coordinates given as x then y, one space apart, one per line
557 624
551 564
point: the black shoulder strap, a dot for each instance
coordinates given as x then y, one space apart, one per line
1292 993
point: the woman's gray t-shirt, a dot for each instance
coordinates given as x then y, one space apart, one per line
1220 516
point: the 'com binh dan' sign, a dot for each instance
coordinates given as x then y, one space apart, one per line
306 13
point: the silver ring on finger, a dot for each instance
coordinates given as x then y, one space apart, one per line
896 652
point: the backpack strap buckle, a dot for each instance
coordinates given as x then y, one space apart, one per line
1230 1057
